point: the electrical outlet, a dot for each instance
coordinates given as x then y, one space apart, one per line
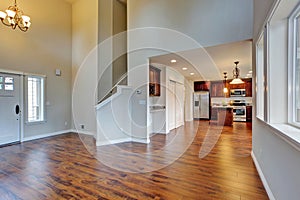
66 123
82 126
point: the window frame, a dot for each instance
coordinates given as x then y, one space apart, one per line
263 114
42 99
292 62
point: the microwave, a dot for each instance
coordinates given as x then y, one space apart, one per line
238 92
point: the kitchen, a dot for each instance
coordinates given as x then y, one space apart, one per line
223 102
209 72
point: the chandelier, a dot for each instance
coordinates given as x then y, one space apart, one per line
14 17
236 74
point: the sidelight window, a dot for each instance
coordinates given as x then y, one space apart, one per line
35 97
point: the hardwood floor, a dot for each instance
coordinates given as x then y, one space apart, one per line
61 167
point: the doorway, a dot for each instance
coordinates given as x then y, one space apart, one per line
175 104
10 99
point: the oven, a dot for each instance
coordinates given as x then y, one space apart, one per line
239 110
239 113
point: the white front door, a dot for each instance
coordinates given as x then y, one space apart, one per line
10 117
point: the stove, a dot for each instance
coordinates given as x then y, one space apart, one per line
239 110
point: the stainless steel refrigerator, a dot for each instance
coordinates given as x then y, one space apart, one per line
201 105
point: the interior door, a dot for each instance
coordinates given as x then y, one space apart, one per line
179 91
10 119
171 105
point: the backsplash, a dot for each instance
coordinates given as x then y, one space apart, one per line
221 101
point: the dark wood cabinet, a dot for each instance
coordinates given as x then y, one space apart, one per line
222 116
248 113
217 89
214 113
154 81
201 86
248 87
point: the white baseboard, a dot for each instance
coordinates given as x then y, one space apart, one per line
262 177
35 137
140 140
83 132
116 141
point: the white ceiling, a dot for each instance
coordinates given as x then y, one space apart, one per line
210 63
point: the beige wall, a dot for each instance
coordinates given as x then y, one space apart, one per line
84 63
41 50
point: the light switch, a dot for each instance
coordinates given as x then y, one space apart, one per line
58 72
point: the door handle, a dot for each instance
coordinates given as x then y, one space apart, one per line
17 109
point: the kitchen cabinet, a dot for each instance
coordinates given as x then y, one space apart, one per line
222 116
214 113
216 89
154 81
248 113
248 87
201 86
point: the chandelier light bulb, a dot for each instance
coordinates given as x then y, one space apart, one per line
2 15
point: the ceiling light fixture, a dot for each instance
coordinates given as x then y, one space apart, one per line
192 73
173 61
184 68
225 90
236 74
14 17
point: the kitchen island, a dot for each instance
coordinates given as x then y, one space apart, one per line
222 115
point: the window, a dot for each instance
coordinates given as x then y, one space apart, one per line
35 87
261 76
294 72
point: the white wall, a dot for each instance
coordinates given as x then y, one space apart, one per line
46 46
188 108
84 63
278 160
210 22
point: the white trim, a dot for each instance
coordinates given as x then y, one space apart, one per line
35 137
141 140
83 132
116 141
6 71
262 177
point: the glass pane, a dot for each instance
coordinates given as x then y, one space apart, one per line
1 79
9 79
260 79
297 75
9 87
35 99
1 86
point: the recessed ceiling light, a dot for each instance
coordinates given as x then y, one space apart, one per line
192 73
184 68
250 72
173 61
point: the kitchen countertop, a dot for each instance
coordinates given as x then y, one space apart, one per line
157 108
222 106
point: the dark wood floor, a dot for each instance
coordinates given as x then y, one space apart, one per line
61 167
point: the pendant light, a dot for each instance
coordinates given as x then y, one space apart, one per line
236 74
225 90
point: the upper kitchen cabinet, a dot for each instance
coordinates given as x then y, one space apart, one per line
201 86
248 87
217 89
154 81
